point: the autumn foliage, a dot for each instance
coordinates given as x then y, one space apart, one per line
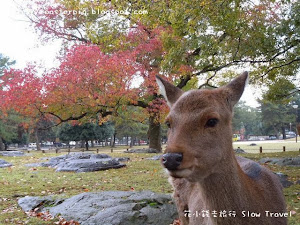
89 82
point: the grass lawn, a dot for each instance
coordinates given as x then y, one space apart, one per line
139 174
290 145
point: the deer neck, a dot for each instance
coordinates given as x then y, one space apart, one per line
223 189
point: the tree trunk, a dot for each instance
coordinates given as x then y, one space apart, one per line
131 142
283 133
113 140
154 134
37 139
86 145
127 140
1 144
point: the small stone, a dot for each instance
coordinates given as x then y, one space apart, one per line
157 157
3 163
239 150
11 153
143 150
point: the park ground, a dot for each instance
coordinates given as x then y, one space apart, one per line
139 174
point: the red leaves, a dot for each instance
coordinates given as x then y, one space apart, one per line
88 80
46 216
22 90
64 222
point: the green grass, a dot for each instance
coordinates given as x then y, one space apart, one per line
269 147
139 174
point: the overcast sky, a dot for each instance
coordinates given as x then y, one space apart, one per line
19 42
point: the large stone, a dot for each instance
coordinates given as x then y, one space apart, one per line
29 203
73 156
3 163
289 162
269 160
11 153
112 208
88 165
142 150
284 180
82 162
281 161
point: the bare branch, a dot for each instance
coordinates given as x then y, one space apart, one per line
207 82
280 66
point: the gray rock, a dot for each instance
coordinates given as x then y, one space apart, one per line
73 156
88 165
11 153
82 162
281 161
3 163
29 203
284 180
122 159
289 162
269 160
112 208
143 150
239 150
156 157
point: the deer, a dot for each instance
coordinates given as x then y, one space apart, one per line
212 185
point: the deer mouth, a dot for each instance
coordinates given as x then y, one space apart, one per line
180 173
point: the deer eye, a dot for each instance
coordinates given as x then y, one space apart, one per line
211 122
168 124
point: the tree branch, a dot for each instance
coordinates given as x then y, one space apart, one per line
207 82
280 66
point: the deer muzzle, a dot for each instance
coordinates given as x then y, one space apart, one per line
172 160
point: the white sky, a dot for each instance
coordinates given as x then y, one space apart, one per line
19 42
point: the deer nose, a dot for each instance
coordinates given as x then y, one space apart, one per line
172 160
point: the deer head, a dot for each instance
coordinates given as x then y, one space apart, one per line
199 122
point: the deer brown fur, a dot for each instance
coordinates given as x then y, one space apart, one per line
203 169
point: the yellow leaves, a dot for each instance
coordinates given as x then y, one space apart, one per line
103 120
203 3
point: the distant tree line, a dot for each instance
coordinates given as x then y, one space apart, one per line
270 118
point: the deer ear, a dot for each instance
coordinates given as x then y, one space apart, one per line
170 92
236 88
